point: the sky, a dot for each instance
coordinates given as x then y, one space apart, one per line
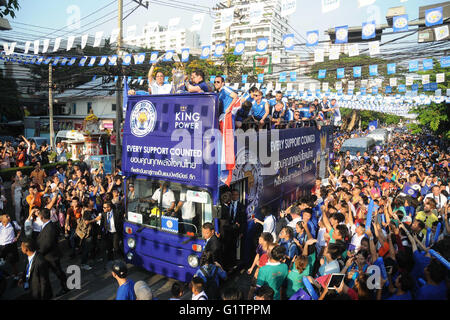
48 15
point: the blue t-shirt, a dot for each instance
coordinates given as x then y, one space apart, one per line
273 102
431 292
246 97
225 97
406 296
126 291
203 86
420 262
258 109
289 115
291 248
304 112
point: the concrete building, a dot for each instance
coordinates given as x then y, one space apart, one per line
161 38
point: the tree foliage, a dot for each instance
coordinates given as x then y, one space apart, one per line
434 117
10 9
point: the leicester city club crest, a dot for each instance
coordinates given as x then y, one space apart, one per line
143 118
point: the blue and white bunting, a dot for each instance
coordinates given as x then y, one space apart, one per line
239 48
112 60
103 60
400 23
205 52
64 61
357 72
413 66
168 55
47 60
288 41
445 62
282 77
262 44
139 58
388 89
373 70
153 56
312 38
244 78
427 64
293 76
185 55
368 30
434 16
55 62
341 34
340 73
390 68
127 59
401 88
260 78
39 60
219 50
212 78
82 61
92 61
322 74
374 90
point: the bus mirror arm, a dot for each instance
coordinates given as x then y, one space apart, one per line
140 229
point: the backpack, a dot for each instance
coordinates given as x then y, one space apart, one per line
211 288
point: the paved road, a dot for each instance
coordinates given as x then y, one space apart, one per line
98 284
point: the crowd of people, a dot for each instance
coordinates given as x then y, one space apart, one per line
387 208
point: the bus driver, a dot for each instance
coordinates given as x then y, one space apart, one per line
168 197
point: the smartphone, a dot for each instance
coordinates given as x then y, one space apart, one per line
253 216
335 280
389 269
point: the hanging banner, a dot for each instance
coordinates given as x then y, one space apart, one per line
325 87
276 56
36 46
340 73
425 78
197 22
169 55
256 12
434 16
293 76
114 35
92 61
98 39
357 72
318 55
330 5
445 62
185 55
244 78
335 52
288 41
262 44
427 64
374 48
368 30
413 66
239 48
390 68
409 81
393 82
288 7
400 23
440 77
139 58
103 60
219 50
341 34
312 38
353 50
388 89
45 46
282 77
442 32
82 61
373 70
261 77
84 39
112 60
70 41
226 17
205 52
153 57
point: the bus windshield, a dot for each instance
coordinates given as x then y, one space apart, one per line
171 207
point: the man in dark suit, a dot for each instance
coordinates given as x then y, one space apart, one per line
36 275
112 231
238 223
213 244
47 242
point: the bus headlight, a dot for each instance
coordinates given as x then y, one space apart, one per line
131 243
130 256
193 261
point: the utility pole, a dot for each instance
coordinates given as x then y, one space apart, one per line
227 40
119 90
119 108
50 105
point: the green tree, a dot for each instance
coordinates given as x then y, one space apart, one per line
434 117
9 9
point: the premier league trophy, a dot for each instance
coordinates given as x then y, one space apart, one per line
178 77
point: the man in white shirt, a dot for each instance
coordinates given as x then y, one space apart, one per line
9 233
187 212
440 199
168 198
158 86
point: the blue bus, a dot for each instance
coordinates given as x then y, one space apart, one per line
171 147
